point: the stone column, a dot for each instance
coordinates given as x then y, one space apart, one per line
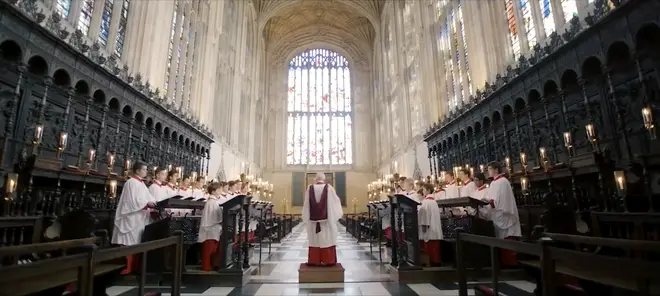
538 20
183 59
174 63
522 31
97 16
190 62
132 31
465 93
74 12
582 8
117 9
558 14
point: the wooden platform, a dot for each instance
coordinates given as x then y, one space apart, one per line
321 274
448 274
195 276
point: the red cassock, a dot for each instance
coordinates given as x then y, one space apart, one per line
318 211
432 249
210 250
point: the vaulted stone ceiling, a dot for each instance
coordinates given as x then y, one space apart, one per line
347 24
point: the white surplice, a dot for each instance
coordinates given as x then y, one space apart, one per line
210 226
468 188
429 215
384 212
159 191
198 194
132 214
479 194
329 232
505 213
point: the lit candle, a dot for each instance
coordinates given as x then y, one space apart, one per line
154 170
590 132
61 144
523 158
524 183
127 165
38 134
507 161
620 178
542 152
482 168
467 166
112 188
471 171
647 115
92 155
12 180
169 167
111 159
568 142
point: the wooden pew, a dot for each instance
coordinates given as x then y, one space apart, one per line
496 245
629 274
34 277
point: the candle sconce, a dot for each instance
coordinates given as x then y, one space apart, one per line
36 137
153 172
111 163
11 182
482 168
471 171
647 116
621 187
591 136
112 189
524 185
523 162
61 143
127 167
543 154
507 162
568 143
169 167
91 158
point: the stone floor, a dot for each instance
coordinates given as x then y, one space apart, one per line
364 275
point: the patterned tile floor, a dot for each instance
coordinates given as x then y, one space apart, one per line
364 275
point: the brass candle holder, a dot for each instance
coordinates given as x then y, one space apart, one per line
62 140
127 167
523 162
621 187
543 154
568 143
111 163
647 116
91 158
507 162
112 189
590 131
11 182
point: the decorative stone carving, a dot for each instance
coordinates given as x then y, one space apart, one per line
78 42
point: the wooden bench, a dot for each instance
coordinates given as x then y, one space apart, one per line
623 273
628 274
41 275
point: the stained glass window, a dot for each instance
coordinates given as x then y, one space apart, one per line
513 28
63 7
570 9
319 127
121 31
105 22
465 47
169 51
526 9
458 74
85 18
546 14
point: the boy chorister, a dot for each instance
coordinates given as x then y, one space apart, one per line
198 192
210 226
468 185
430 225
480 193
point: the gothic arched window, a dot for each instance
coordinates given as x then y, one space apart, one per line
319 127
